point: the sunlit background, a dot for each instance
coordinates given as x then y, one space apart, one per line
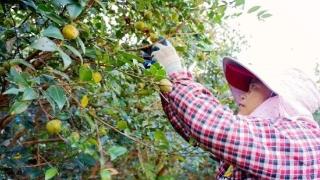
290 37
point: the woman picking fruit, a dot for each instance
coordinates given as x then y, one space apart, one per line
273 135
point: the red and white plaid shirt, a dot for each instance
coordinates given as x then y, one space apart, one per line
257 148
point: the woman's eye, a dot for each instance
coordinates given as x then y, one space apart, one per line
252 86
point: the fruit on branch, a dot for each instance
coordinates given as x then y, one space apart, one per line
96 77
70 32
165 86
54 126
153 37
147 14
84 101
75 136
141 26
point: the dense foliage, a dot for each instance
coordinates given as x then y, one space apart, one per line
76 101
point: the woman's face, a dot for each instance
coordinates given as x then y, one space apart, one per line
256 95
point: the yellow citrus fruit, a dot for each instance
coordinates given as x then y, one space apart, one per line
97 77
153 37
84 101
165 86
70 32
140 25
54 126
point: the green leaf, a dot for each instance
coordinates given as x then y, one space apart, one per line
166 177
30 3
50 173
19 107
58 95
253 9
54 32
66 59
55 18
156 71
161 139
74 10
83 47
44 44
50 100
128 56
89 120
265 15
29 94
240 2
64 75
85 73
105 174
17 78
102 6
21 61
116 151
75 52
12 91
62 3
261 12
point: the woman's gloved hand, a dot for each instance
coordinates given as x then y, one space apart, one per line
167 56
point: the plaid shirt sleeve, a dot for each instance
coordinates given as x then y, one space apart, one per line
266 148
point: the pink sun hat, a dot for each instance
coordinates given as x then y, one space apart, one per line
297 94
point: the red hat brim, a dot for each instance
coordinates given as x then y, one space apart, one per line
238 76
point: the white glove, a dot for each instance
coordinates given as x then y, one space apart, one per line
167 56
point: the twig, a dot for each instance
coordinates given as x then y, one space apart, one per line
5 121
16 33
28 143
100 148
45 161
140 48
88 6
45 112
25 19
17 136
164 97
167 37
117 130
176 30
35 165
38 154
32 55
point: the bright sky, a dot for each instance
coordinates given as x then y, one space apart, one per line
290 36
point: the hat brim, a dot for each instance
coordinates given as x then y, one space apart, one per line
237 75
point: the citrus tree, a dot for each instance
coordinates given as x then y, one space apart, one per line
76 100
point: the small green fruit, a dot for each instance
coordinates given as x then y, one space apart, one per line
153 37
75 136
147 14
140 25
6 65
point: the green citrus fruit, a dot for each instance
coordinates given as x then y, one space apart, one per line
153 37
147 14
140 25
